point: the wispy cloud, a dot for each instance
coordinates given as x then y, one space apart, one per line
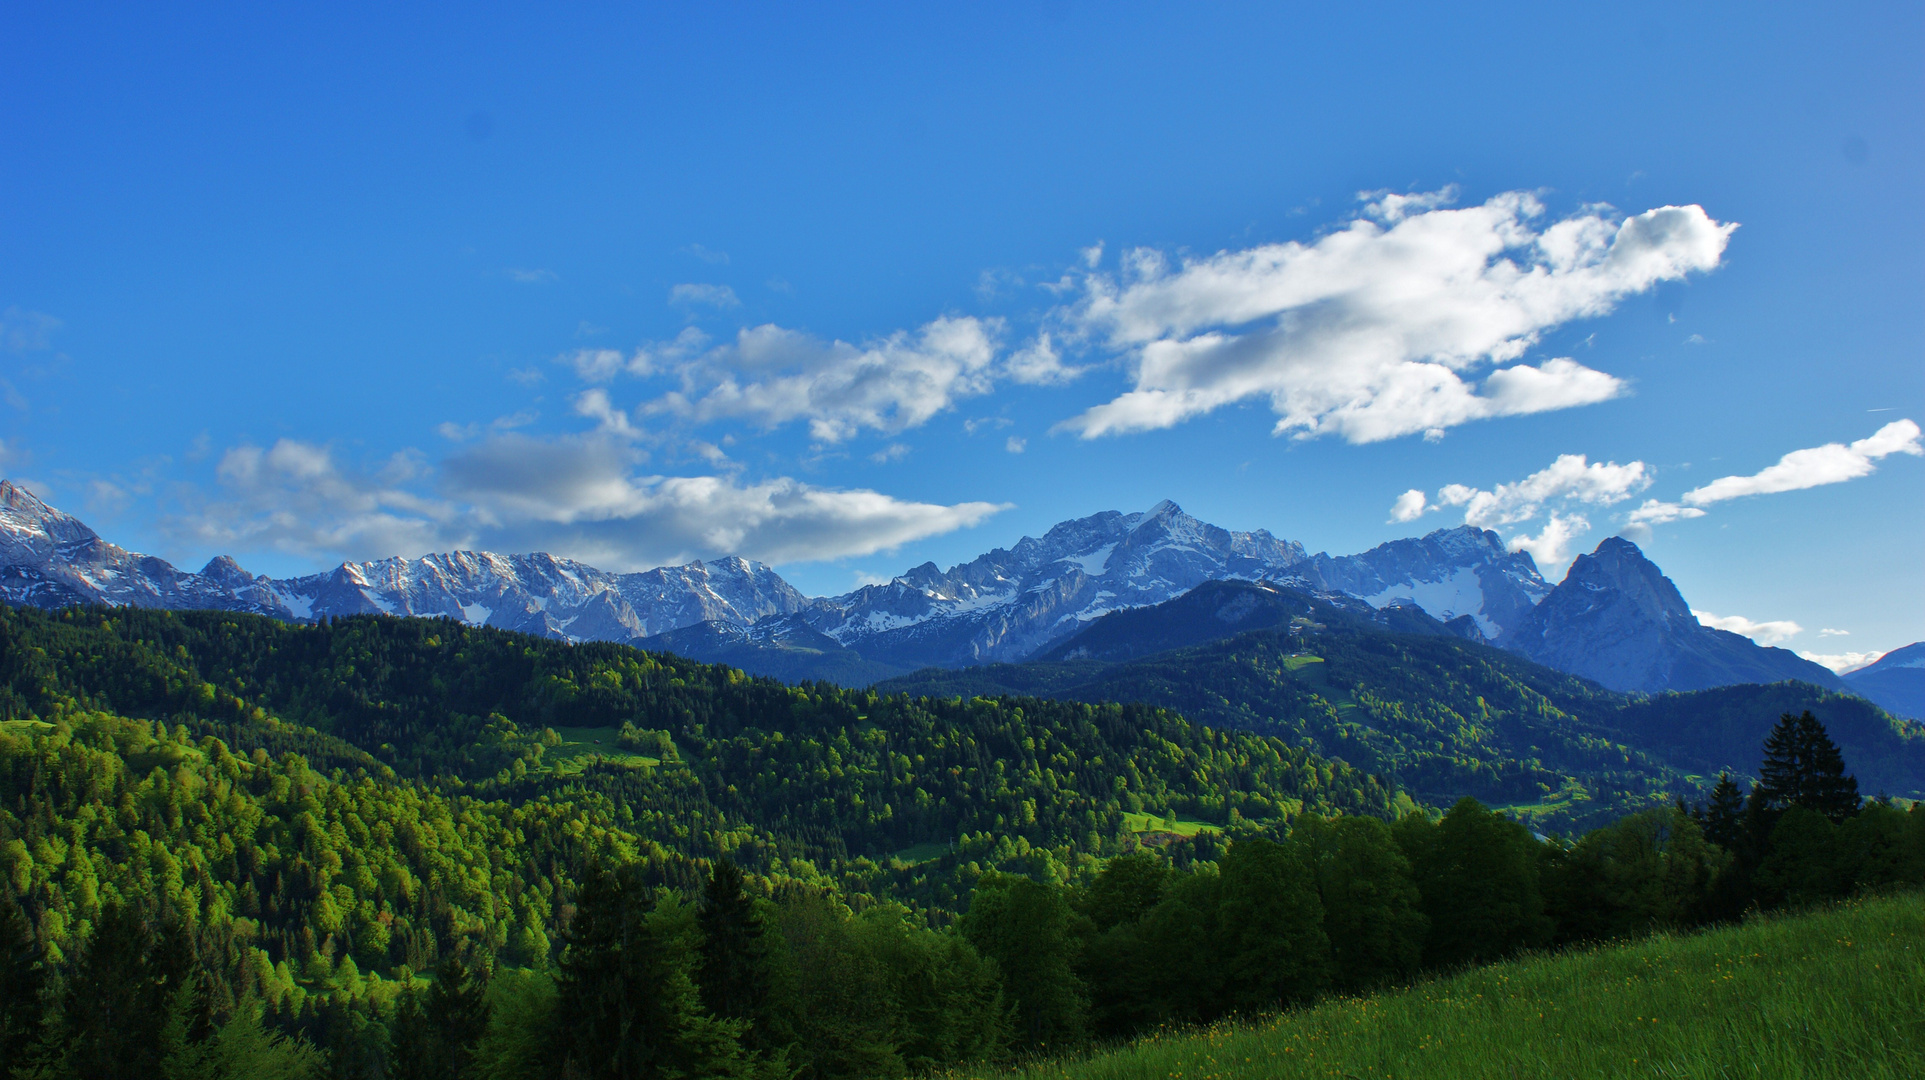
1379 329
584 495
24 331
531 277
1769 632
716 296
1833 463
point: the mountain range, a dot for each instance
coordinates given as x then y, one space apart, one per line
1615 618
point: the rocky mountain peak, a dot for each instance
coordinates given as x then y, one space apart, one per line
1619 566
222 569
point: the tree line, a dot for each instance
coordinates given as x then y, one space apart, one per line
727 974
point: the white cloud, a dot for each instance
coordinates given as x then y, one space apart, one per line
1829 632
1655 512
1015 445
581 496
1570 477
1408 507
1378 330
1551 549
532 277
1840 663
707 255
720 296
1039 364
1829 464
603 365
774 375
1770 632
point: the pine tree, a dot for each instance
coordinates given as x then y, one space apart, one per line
733 974
1723 817
120 999
1802 767
1828 788
628 1005
21 985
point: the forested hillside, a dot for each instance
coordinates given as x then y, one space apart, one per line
230 847
1443 717
714 760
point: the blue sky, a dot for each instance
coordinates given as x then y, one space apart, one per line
848 290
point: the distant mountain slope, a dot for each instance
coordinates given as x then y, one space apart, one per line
1450 573
1392 692
1009 603
1616 619
1706 731
48 558
1443 716
1896 681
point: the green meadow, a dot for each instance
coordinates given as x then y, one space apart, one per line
1836 993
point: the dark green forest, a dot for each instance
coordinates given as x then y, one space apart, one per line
236 847
1442 717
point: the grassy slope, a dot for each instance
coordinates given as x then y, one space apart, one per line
1839 993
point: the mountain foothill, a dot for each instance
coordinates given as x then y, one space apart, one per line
1445 665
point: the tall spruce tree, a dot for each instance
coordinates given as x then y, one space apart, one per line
733 973
1723 817
628 1005
121 998
1802 767
22 980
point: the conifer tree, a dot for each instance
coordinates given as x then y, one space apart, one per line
733 974
1802 767
21 984
120 999
434 1032
1723 818
628 1006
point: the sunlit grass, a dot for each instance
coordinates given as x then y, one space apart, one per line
582 745
1839 993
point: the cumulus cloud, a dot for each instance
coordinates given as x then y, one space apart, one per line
1570 477
1570 480
583 496
1832 463
1408 507
1382 328
1015 445
1840 663
1552 548
773 375
1770 632
295 497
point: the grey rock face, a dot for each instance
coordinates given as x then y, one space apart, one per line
1617 620
1012 602
51 559
1450 573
